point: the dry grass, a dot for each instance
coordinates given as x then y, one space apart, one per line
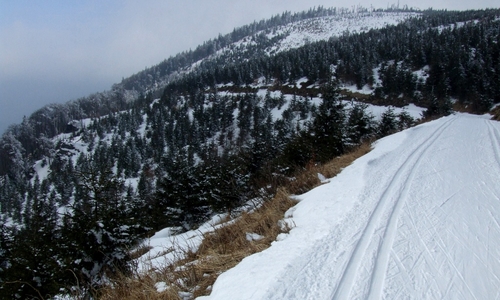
140 287
496 113
225 247
308 179
461 107
348 95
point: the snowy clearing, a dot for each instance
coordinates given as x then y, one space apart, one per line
416 218
317 29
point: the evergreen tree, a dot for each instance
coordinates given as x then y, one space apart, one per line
328 128
360 124
438 107
34 270
7 241
297 152
224 183
388 123
99 229
179 198
405 120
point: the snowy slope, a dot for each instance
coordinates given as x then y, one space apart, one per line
317 29
416 218
299 33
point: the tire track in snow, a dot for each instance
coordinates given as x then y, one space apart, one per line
378 274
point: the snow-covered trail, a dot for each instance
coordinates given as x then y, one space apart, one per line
416 218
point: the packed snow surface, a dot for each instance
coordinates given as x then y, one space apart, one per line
416 218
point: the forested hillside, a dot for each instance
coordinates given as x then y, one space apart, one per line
205 131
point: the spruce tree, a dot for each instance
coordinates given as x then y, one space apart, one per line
360 124
99 229
179 198
328 128
388 124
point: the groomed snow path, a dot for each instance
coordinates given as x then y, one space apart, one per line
416 218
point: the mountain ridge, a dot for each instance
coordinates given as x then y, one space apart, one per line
108 171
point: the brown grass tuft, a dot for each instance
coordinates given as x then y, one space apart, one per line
496 113
139 287
461 107
308 179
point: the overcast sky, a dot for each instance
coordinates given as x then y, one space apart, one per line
55 51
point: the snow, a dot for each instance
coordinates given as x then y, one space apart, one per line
299 82
416 218
42 170
142 128
422 74
251 236
377 111
300 33
322 28
365 90
161 287
456 25
166 246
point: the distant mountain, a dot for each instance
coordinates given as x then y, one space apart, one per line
207 130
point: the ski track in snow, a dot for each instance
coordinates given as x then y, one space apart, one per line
416 218
390 205
495 140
